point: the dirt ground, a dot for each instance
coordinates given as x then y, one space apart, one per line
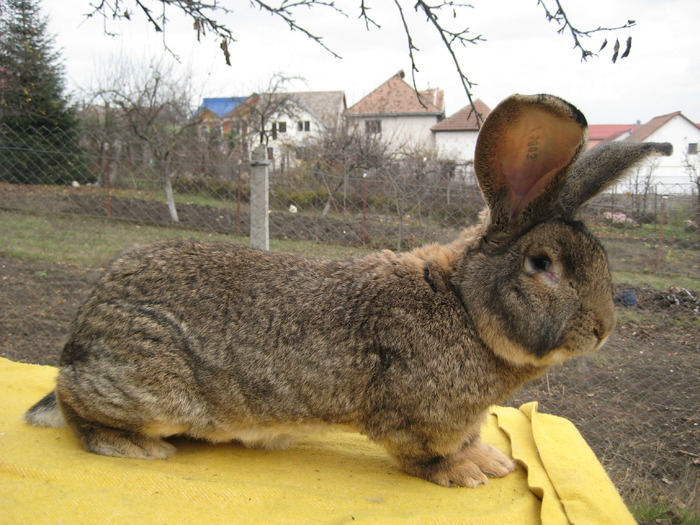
636 401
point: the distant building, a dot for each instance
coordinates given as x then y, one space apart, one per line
669 175
288 119
599 133
455 137
215 113
399 114
308 114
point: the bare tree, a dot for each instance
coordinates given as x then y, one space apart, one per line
338 157
641 186
439 14
273 101
150 105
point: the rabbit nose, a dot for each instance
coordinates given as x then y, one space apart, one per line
604 327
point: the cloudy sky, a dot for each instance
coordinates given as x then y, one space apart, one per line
522 52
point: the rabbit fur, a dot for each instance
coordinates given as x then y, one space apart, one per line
220 342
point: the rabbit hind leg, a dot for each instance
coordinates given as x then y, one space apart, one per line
107 441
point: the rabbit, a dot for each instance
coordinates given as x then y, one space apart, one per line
225 343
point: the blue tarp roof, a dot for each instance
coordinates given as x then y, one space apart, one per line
220 105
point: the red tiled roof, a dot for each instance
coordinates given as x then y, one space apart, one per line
465 119
607 131
642 132
396 97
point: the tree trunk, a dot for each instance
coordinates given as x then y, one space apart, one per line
171 199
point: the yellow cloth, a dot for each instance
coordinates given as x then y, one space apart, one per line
46 477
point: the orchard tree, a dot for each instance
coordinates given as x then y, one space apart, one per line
146 105
272 102
34 111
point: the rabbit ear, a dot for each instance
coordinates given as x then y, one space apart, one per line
600 167
522 154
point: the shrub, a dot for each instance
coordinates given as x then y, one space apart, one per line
619 220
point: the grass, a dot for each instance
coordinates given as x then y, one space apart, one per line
655 280
646 232
663 513
158 195
90 241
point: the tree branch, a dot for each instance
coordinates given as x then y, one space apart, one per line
562 20
203 12
285 12
449 38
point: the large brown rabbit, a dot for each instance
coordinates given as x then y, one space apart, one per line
223 343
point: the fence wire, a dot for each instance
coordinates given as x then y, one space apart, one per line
635 401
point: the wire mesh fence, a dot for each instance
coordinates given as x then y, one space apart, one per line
635 401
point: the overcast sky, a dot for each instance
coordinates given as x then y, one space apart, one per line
522 53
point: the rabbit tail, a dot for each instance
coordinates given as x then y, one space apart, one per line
46 413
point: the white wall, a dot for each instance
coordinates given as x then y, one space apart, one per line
402 131
456 145
292 136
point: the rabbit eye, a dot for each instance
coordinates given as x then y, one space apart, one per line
540 263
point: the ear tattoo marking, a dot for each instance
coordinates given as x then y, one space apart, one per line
533 144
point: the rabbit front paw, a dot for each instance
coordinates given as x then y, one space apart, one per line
469 467
490 460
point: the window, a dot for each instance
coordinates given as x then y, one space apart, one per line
278 127
693 148
304 126
373 126
270 154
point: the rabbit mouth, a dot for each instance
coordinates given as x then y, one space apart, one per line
518 354
564 352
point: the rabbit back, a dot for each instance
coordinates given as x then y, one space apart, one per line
218 341
209 333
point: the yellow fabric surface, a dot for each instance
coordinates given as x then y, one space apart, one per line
46 477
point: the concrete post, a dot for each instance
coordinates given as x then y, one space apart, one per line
259 200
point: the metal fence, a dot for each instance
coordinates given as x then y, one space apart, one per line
636 402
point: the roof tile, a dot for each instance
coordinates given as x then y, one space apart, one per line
465 119
396 97
642 132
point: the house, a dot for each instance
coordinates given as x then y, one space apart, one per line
399 114
293 118
455 137
214 114
599 133
280 120
669 175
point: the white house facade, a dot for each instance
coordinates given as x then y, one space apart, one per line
669 175
399 115
310 113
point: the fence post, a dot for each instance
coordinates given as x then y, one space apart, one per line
363 236
259 200
659 247
238 197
